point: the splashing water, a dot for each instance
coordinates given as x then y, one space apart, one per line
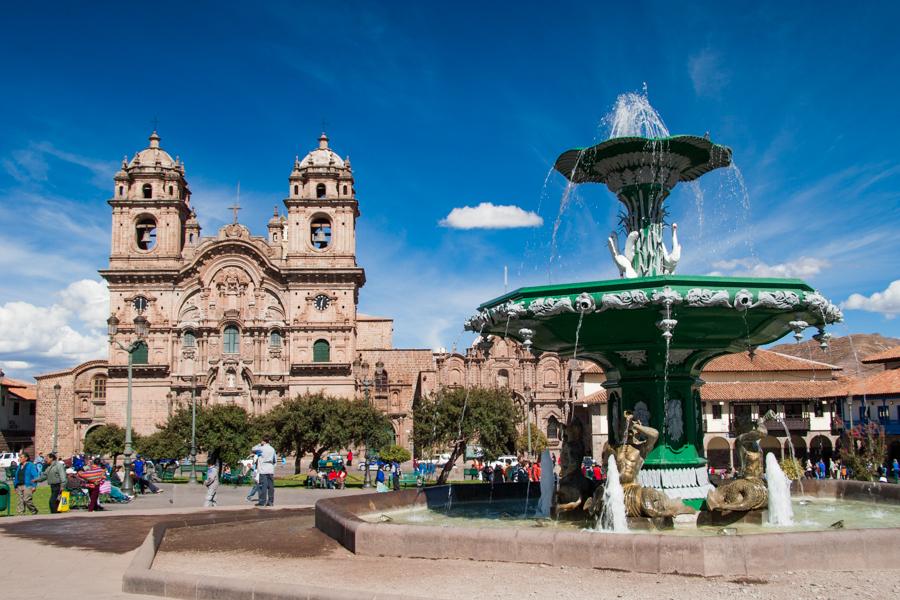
780 511
612 516
633 115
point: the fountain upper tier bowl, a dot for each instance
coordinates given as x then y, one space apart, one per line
629 160
621 320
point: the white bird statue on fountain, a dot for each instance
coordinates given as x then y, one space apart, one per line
670 260
623 261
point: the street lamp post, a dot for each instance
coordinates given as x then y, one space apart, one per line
192 479
528 417
141 327
361 368
56 389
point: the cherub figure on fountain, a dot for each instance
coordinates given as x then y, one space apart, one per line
748 491
639 440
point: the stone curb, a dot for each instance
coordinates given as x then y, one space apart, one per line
710 556
139 578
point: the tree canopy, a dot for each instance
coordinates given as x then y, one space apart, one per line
106 440
455 417
316 423
538 441
225 432
394 453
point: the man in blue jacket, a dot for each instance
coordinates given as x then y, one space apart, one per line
24 477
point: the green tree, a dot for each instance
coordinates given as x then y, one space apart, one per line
394 453
538 441
163 444
316 423
455 417
863 450
106 440
225 432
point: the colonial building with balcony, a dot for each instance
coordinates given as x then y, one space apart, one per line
874 399
739 388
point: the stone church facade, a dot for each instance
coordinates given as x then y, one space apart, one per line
251 320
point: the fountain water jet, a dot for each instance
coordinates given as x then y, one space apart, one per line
780 511
612 516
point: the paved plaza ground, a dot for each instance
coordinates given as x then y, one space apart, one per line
86 554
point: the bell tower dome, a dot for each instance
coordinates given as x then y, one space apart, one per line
151 206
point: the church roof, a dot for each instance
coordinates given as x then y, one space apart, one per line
323 156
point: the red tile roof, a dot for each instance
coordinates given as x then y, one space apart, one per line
22 389
891 354
598 397
770 390
765 360
885 383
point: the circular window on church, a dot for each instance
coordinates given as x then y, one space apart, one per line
145 233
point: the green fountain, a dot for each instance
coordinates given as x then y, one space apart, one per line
652 331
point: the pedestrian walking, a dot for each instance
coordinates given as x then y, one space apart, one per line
821 470
24 479
55 476
93 476
212 484
349 458
254 471
266 473
39 462
895 467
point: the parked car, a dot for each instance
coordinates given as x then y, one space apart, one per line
440 460
374 463
7 459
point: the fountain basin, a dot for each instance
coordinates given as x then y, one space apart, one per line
344 519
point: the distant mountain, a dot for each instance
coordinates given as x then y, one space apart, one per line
842 352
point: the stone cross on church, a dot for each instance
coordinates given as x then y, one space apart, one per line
237 204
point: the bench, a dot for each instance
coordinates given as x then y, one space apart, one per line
470 473
410 480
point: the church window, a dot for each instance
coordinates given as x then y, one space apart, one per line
189 340
145 233
15 408
381 382
502 378
275 339
320 233
321 351
148 190
296 190
345 190
121 190
230 340
320 190
141 354
98 388
171 190
552 429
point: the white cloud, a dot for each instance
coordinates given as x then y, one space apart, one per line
707 73
14 364
886 302
802 267
69 330
490 216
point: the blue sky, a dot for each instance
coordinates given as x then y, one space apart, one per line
442 107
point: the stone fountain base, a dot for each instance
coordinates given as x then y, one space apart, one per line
722 519
706 556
